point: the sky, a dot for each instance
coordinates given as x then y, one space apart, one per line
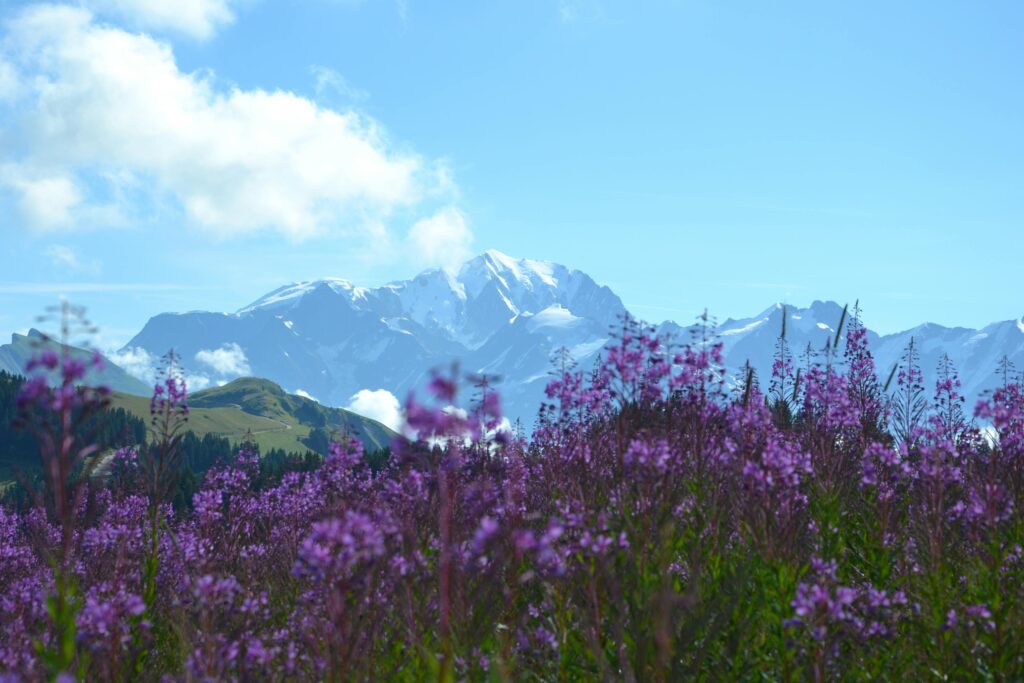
160 156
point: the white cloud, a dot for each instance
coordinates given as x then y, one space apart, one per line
443 239
66 258
9 81
305 394
51 199
196 18
62 256
196 383
47 202
327 80
380 405
227 360
144 366
137 362
102 102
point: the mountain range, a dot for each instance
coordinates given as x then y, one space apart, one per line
975 353
332 341
501 316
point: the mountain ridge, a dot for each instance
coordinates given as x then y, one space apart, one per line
15 356
499 315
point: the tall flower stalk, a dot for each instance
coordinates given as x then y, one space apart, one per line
168 409
57 408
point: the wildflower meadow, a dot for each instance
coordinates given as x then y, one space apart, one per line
663 520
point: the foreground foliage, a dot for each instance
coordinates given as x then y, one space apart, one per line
662 523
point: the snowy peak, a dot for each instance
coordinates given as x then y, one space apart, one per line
510 273
530 286
434 298
288 295
466 307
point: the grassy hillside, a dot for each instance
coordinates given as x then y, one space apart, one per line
275 418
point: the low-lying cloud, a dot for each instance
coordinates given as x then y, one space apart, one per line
380 405
146 367
137 362
443 239
228 360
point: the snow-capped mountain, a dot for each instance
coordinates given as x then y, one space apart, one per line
975 353
498 315
330 339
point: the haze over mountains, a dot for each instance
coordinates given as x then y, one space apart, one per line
506 317
16 355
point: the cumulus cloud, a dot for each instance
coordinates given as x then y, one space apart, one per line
47 201
227 360
101 102
137 362
380 405
196 18
443 239
144 366
197 382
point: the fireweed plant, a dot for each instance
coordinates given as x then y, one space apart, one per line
663 522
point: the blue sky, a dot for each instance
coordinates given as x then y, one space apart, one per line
687 154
